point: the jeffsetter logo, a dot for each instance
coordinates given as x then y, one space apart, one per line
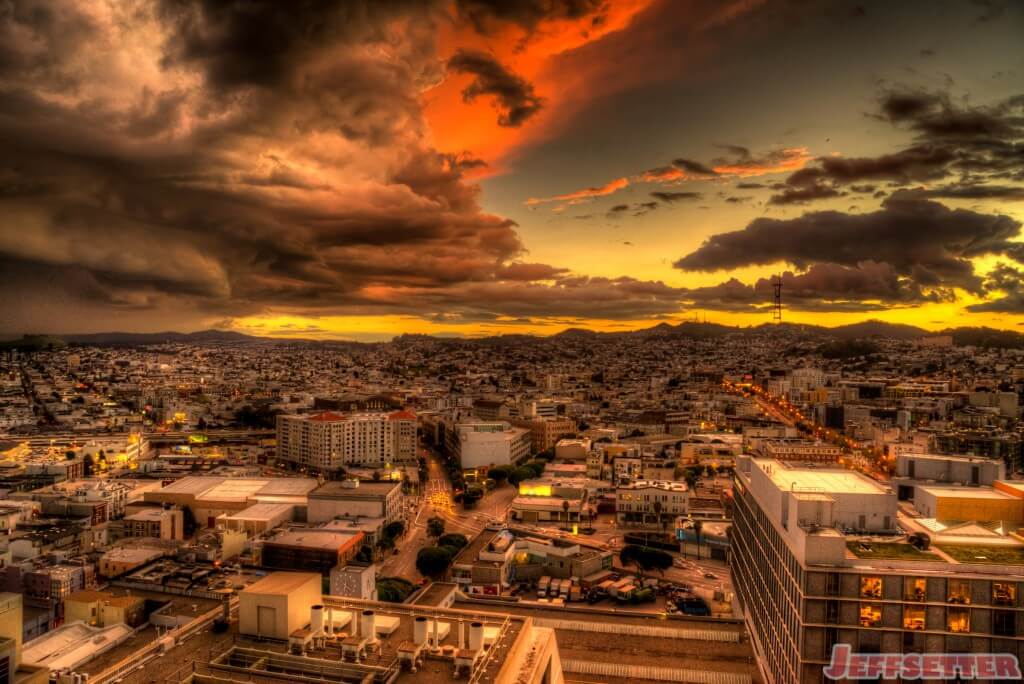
990 666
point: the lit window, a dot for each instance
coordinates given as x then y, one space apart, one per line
871 587
915 589
958 619
913 617
1004 594
870 615
959 591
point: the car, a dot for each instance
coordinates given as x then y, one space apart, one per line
710 575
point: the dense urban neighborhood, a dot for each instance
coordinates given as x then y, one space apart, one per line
738 500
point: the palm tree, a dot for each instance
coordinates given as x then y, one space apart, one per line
565 512
697 526
657 514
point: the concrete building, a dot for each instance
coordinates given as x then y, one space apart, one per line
312 549
328 440
917 469
122 560
208 498
818 560
161 523
355 581
545 432
484 445
278 604
348 498
651 503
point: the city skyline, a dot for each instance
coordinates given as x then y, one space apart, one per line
362 170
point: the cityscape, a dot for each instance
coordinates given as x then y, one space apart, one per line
350 342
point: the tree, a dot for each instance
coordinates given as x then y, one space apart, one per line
435 527
453 540
394 589
697 527
645 558
394 529
376 476
433 561
499 474
565 511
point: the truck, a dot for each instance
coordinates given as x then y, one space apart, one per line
563 591
575 594
556 586
542 586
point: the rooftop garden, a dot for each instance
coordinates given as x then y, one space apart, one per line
889 551
1003 555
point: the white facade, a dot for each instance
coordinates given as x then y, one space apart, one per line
491 444
332 440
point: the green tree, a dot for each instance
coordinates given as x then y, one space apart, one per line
499 474
453 540
394 589
433 561
435 527
394 529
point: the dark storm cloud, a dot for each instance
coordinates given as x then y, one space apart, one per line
487 14
243 158
918 238
515 97
974 144
693 167
669 197
804 193
1009 281
823 287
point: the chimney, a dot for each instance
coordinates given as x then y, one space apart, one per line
354 622
419 630
316 620
368 625
476 636
462 634
434 639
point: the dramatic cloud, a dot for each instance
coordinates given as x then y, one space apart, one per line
193 161
977 144
823 287
514 96
669 197
608 188
742 164
487 15
918 238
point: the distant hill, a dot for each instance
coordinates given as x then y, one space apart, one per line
985 337
895 331
129 339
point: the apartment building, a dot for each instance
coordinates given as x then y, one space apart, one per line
160 523
655 503
819 559
330 440
545 432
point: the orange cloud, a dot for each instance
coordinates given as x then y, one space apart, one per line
777 161
584 194
458 124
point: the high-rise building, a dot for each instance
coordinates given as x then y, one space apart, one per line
821 557
331 440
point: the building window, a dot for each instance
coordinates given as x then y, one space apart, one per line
1004 623
958 619
959 591
832 612
915 589
1004 594
870 587
913 617
832 584
870 615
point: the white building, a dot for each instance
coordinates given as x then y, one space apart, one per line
331 440
479 445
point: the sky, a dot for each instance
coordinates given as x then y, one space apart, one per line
362 169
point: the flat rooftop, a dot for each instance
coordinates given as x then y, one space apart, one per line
822 480
364 490
968 493
282 582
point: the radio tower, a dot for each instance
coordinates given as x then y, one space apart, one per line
777 308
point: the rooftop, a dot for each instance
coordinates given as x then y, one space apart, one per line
282 582
828 480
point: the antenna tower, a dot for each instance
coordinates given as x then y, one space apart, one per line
777 307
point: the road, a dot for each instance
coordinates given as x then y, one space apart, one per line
437 501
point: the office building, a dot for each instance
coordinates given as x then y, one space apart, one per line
329 440
821 556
